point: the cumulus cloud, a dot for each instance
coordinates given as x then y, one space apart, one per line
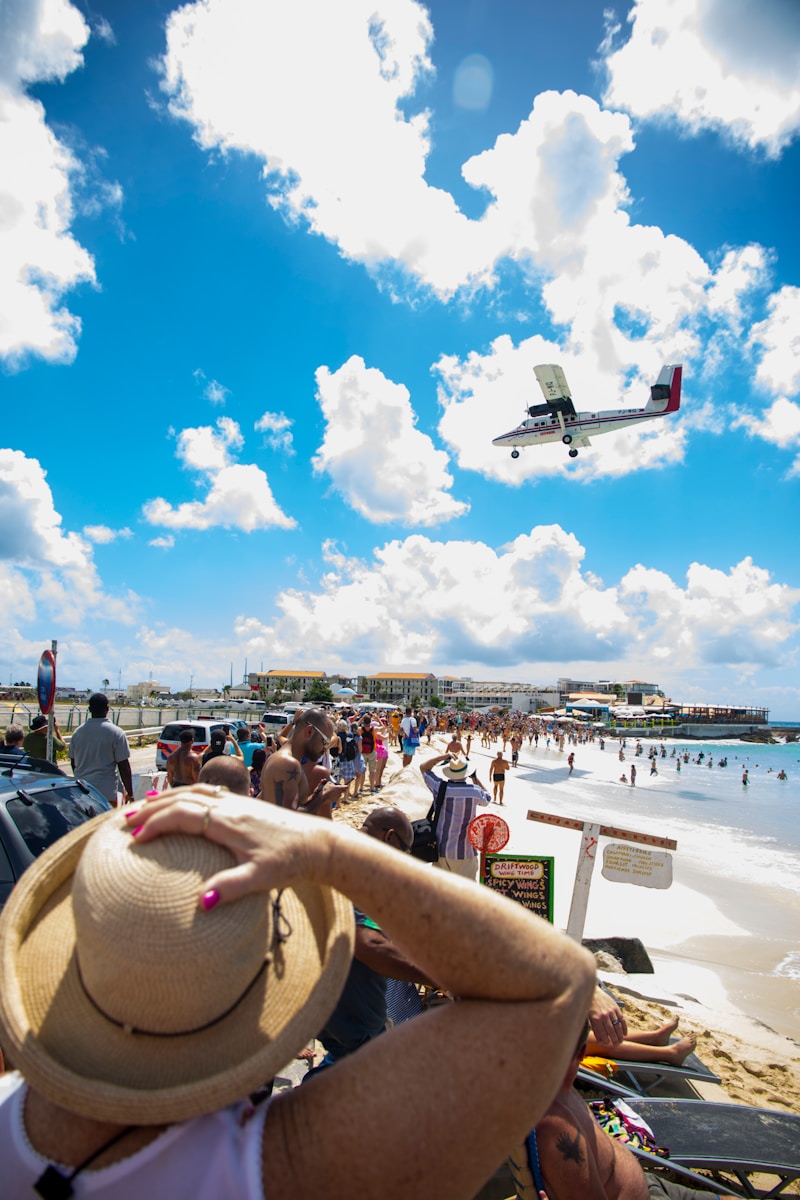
712 64
40 557
278 430
382 465
523 606
738 616
779 339
348 161
484 395
40 260
163 543
238 495
102 534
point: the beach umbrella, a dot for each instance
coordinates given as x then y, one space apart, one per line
346 692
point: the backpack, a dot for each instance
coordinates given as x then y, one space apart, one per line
425 846
348 751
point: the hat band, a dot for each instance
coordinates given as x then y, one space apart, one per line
281 931
128 1028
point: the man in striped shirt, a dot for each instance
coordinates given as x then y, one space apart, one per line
463 795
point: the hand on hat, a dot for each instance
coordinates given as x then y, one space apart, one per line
274 847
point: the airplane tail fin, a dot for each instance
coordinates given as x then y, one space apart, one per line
665 394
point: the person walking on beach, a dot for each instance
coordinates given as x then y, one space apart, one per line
633 775
410 735
497 777
571 761
98 749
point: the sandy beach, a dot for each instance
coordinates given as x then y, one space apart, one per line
713 942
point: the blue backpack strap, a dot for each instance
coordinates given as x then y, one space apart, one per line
533 1160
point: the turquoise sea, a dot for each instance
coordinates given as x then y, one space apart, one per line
738 848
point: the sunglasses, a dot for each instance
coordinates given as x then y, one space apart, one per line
326 741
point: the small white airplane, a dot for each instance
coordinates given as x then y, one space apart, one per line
556 419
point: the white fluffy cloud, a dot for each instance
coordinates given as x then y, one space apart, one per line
102 534
41 559
722 618
485 395
278 430
238 495
345 160
719 64
40 260
526 605
383 466
779 338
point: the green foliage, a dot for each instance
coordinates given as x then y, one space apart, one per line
437 702
415 701
319 690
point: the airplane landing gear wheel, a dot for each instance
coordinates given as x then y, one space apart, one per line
567 438
515 453
573 453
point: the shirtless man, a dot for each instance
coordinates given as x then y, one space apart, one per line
183 765
497 775
580 1161
455 747
285 779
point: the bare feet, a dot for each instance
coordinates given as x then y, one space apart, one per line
678 1052
655 1037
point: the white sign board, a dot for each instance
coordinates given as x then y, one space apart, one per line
625 863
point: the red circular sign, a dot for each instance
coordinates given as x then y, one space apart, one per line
46 682
488 833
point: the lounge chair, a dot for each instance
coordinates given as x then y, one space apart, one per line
736 1140
644 1077
732 1142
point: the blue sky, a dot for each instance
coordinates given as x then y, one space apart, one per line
272 277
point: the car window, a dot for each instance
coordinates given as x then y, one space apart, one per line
172 733
6 870
47 816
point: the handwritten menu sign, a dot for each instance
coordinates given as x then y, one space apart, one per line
526 878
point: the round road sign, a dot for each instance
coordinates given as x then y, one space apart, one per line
46 681
488 833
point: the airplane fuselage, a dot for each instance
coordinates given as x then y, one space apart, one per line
536 431
557 421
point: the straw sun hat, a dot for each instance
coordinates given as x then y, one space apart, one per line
123 1000
456 770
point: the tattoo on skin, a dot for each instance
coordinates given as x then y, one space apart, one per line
570 1148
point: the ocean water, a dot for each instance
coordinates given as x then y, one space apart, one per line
749 834
738 850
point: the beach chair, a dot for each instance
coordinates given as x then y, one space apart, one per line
644 1077
732 1142
727 1140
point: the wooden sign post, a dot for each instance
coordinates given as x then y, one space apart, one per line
591 834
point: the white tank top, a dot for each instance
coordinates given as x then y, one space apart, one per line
217 1157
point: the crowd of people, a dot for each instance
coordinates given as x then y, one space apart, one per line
137 1064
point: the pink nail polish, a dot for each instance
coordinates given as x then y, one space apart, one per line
132 813
135 832
210 899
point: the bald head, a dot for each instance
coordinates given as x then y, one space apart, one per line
389 825
227 772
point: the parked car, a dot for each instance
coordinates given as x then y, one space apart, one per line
273 722
39 803
170 737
